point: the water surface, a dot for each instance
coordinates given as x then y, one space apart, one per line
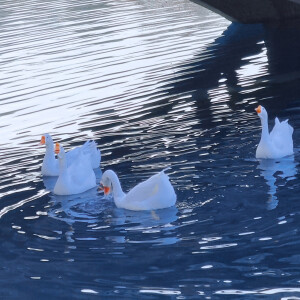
155 84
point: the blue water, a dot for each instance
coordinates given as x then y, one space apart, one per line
156 83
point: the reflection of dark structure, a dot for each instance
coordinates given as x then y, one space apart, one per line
222 58
231 51
254 11
273 57
283 46
219 61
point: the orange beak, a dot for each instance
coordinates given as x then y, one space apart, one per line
56 148
258 109
105 189
43 140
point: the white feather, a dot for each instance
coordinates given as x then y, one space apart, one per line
155 193
50 166
75 178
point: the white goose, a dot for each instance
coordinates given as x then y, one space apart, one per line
154 193
50 166
75 178
279 142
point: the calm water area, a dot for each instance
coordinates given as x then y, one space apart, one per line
156 84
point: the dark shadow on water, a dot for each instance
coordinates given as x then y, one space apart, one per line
221 58
219 62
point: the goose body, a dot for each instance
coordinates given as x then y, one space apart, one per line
50 166
277 143
75 178
155 193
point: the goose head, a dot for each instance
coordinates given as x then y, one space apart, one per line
60 151
261 112
46 140
106 182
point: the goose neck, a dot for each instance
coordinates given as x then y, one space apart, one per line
62 164
265 128
50 150
116 186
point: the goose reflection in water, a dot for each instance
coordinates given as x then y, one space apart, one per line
271 169
149 222
92 208
72 208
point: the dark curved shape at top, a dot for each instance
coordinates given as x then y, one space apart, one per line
254 11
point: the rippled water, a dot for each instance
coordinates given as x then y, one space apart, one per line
156 84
